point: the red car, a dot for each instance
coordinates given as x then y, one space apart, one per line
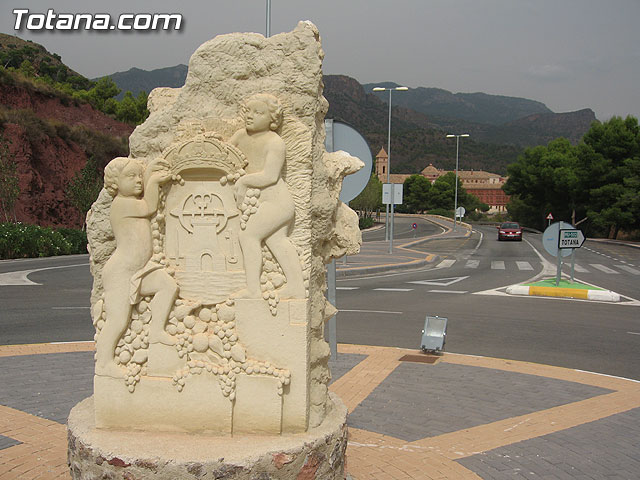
510 231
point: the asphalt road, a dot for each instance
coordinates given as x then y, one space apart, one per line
466 286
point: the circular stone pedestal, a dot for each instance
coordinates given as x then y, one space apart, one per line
123 455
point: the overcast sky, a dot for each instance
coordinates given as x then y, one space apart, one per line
568 54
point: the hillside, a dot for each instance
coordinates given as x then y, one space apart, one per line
136 80
493 119
415 140
470 107
50 136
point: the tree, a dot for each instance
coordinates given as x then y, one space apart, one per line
84 188
104 89
416 194
9 181
610 177
370 199
544 180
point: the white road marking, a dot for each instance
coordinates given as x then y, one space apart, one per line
447 291
69 308
445 263
633 333
20 277
369 311
629 269
393 289
524 266
347 288
440 282
67 343
580 269
472 264
604 269
497 265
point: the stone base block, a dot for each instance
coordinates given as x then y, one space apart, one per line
122 455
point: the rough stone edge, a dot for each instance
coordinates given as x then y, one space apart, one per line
318 453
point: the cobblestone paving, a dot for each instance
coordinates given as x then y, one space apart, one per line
418 400
605 449
6 442
47 386
344 363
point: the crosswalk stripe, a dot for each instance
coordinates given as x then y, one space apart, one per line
524 266
580 269
472 264
446 263
497 265
629 269
602 268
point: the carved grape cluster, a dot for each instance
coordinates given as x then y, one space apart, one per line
249 206
232 177
210 341
132 350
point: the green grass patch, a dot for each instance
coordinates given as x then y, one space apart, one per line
551 282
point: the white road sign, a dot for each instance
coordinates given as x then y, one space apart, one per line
392 191
550 239
570 238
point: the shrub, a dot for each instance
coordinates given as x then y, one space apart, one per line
76 238
18 240
365 222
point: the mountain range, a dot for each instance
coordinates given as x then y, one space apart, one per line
500 126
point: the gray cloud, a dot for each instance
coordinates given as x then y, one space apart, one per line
570 55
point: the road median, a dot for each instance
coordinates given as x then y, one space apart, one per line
565 289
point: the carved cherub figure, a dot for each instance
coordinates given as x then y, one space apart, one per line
273 221
130 273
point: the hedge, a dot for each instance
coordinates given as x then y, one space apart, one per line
19 240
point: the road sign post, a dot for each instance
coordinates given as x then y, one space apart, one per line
340 136
391 195
560 239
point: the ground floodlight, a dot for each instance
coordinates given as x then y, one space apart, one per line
434 334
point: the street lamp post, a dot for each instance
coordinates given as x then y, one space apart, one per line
455 202
268 19
389 218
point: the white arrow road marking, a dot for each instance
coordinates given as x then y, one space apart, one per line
604 269
497 265
20 277
629 269
440 282
445 263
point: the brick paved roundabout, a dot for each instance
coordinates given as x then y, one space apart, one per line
462 417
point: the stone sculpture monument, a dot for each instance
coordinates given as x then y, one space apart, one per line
208 249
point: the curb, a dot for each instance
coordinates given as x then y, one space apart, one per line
600 295
354 271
